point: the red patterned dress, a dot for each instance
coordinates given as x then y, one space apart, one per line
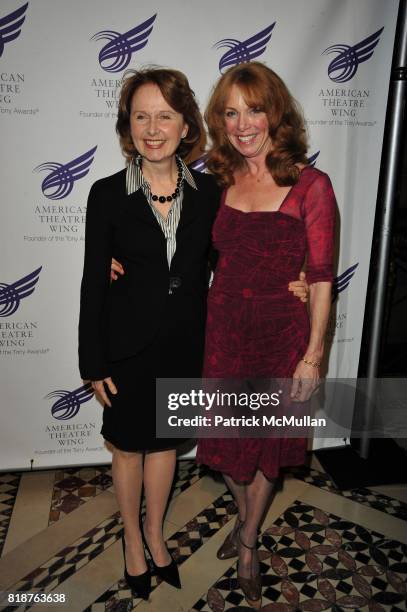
255 326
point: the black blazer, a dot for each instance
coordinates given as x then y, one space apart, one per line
118 319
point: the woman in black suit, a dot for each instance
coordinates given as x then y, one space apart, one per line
155 217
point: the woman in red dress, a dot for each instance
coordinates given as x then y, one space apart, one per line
275 212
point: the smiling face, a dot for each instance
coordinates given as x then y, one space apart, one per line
156 128
247 128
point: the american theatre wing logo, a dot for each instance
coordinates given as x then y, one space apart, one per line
10 26
344 66
69 402
59 183
243 51
115 56
342 281
11 295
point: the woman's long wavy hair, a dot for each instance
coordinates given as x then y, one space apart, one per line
176 91
262 88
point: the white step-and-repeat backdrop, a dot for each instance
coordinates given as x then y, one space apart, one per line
60 69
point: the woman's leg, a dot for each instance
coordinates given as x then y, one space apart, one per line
127 472
258 494
159 468
239 493
229 547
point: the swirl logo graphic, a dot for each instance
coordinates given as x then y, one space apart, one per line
348 58
312 160
59 183
11 295
245 51
10 26
342 281
200 164
69 402
116 54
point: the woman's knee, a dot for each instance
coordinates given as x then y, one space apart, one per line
123 455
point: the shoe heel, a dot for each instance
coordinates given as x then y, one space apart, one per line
139 585
168 573
252 586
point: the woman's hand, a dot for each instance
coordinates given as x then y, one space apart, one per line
305 382
300 287
115 269
99 389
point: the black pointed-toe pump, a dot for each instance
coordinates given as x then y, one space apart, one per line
141 584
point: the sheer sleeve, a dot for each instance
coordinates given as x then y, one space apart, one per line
319 210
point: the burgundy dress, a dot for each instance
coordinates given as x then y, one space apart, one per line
255 326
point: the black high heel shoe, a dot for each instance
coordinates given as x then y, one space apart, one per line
169 573
140 585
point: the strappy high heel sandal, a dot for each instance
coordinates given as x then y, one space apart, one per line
251 587
230 546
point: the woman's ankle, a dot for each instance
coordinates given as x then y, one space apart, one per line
248 537
132 535
153 533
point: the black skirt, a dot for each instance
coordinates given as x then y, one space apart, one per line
130 423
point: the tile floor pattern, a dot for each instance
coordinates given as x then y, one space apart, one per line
75 486
72 558
312 560
364 496
9 483
195 533
182 544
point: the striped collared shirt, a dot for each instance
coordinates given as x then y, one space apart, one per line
135 180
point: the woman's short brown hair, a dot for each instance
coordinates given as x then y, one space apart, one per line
176 91
262 88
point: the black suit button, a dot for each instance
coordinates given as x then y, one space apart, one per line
175 282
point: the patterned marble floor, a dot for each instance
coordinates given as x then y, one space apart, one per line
8 490
320 549
312 560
